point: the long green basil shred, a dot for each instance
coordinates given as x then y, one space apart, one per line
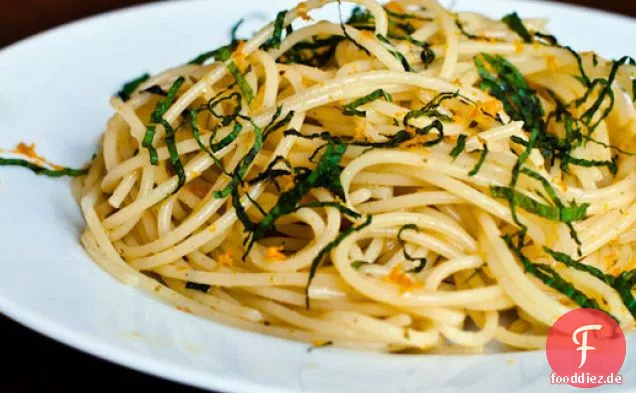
40 170
225 55
243 165
157 118
129 87
460 26
234 31
554 198
606 92
325 174
346 34
358 264
392 140
198 287
396 53
431 107
551 278
351 109
175 161
314 52
315 263
480 162
459 147
553 213
421 261
623 283
275 40
213 54
515 24
196 133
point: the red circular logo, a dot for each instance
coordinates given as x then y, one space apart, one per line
586 348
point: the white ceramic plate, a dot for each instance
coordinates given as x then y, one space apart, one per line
54 90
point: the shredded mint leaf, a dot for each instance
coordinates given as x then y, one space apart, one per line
234 31
219 99
243 165
225 55
344 31
623 283
315 264
431 109
275 40
515 24
480 162
40 170
421 261
315 52
460 26
351 109
156 90
129 87
396 53
553 213
196 133
198 287
157 117
459 147
551 278
175 161
358 264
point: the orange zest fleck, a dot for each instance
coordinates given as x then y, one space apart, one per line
403 280
553 64
198 189
492 106
184 309
28 151
301 10
288 183
275 254
320 343
417 140
394 6
359 131
225 259
367 34
239 54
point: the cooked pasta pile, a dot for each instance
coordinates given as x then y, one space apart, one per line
404 179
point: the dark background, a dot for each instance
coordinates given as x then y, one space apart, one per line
34 363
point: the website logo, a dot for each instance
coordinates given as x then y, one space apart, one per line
586 348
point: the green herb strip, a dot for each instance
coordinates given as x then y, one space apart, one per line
553 213
459 147
197 287
40 170
421 261
344 31
515 24
129 87
551 278
315 264
622 283
275 40
396 53
157 118
480 162
351 109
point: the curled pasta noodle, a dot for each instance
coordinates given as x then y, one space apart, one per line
369 183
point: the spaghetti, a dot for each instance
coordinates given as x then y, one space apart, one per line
409 179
